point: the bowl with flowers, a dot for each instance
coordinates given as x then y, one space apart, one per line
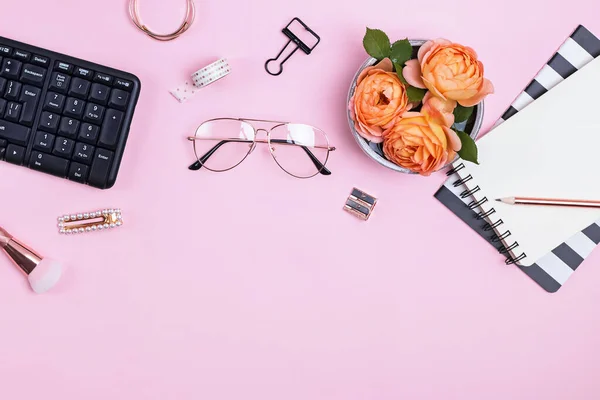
415 106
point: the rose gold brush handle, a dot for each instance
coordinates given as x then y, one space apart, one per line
23 257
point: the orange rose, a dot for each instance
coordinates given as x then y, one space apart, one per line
420 144
451 71
441 111
378 102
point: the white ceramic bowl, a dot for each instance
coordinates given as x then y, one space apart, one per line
373 150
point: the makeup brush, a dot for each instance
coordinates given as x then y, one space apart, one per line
42 273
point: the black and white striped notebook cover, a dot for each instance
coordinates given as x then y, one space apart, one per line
553 269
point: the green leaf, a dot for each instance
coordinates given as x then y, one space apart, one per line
401 52
461 114
398 68
415 95
468 151
377 44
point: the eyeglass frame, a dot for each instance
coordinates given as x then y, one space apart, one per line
198 164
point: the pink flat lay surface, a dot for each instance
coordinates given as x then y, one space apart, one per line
252 284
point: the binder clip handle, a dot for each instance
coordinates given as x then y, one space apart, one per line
299 44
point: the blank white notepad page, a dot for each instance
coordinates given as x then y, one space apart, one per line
550 149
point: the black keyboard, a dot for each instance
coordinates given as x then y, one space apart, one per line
62 115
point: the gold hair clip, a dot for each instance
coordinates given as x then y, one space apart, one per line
90 222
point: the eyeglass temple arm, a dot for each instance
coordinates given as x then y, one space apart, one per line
198 164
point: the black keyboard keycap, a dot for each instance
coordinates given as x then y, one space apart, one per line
88 133
69 127
13 112
3 143
54 102
111 129
103 78
63 147
99 93
49 122
15 133
64 67
93 113
2 152
15 154
11 68
43 141
33 74
74 107
5 50
118 99
2 85
41 61
22 55
79 88
29 97
78 172
84 73
123 84
83 153
12 90
100 167
49 164
2 106
59 82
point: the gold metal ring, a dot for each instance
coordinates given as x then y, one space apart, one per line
190 14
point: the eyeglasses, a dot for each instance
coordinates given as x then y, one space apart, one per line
223 143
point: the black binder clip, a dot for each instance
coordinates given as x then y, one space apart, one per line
300 44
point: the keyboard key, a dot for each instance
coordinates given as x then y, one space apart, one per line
84 73
64 67
2 85
2 152
59 82
41 61
11 68
13 111
22 55
54 102
123 84
78 172
43 141
5 50
12 90
49 122
68 127
15 154
33 74
93 113
79 88
63 147
83 153
111 129
15 133
100 167
74 107
2 106
3 143
103 78
88 133
49 164
99 93
118 99
29 97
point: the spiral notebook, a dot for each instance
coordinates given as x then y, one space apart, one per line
542 250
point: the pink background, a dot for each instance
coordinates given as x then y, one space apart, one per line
253 284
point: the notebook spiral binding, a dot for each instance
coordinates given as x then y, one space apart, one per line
485 214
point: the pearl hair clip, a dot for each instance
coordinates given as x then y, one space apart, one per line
90 222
